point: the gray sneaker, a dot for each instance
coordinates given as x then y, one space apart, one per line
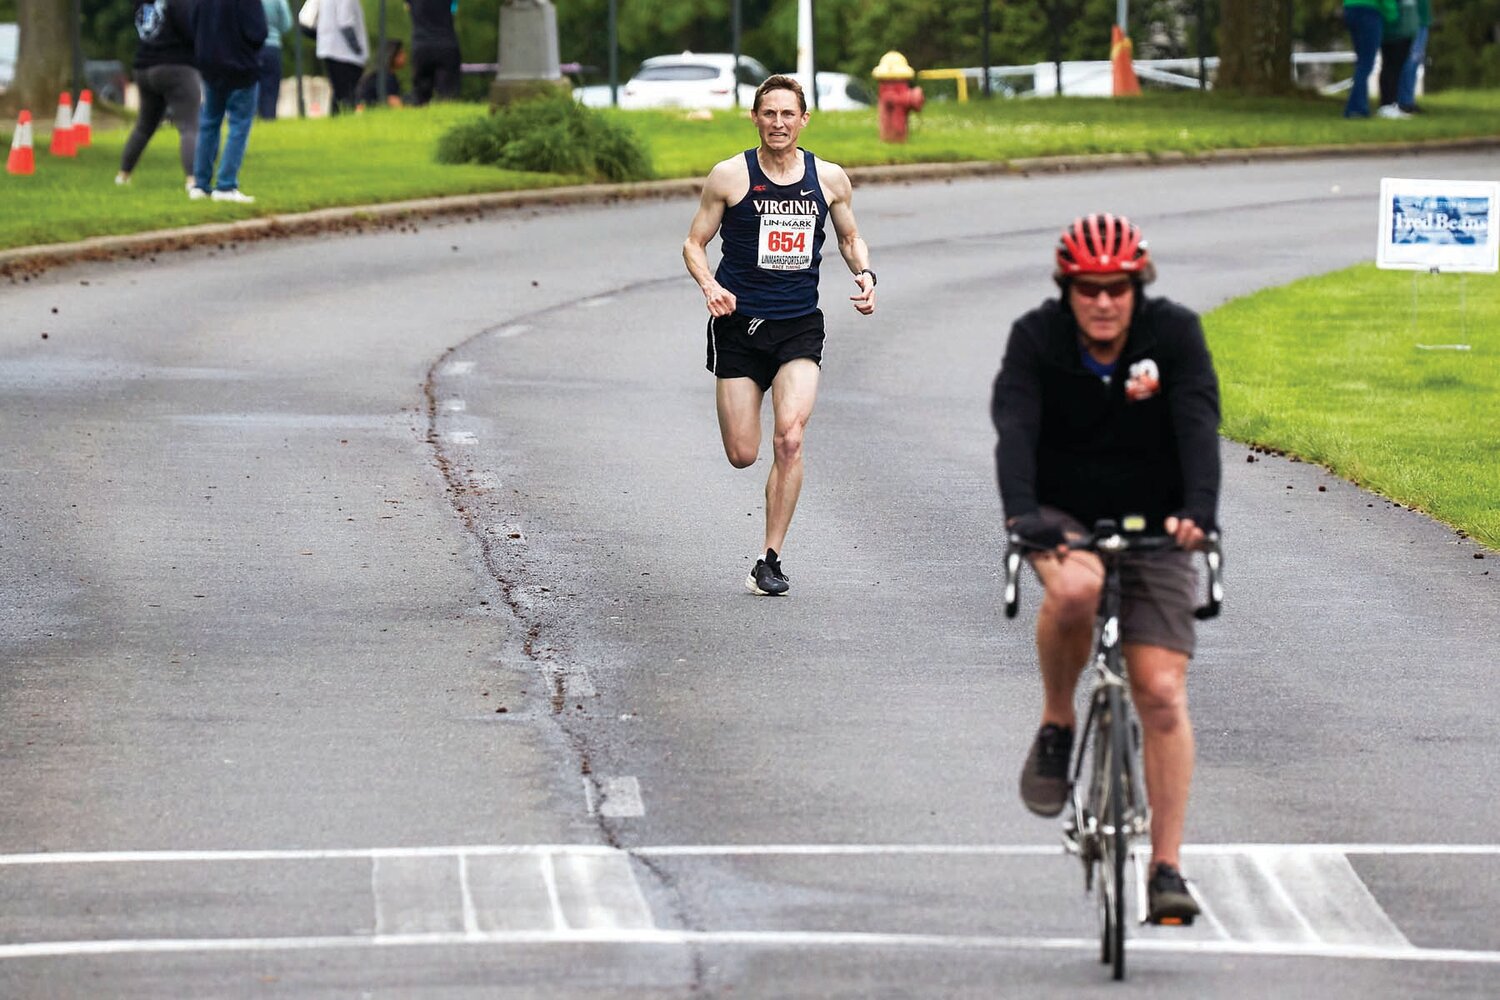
1044 779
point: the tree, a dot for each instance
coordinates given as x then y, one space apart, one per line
1255 47
44 65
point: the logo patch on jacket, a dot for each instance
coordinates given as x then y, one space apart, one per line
1144 381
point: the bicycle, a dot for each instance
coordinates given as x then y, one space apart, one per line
1110 813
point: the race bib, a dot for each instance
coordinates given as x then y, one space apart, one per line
786 242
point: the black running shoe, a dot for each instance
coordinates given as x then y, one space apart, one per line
1044 779
1170 900
767 579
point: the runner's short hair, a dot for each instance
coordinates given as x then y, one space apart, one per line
779 82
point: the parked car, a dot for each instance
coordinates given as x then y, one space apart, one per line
838 91
10 43
594 95
693 80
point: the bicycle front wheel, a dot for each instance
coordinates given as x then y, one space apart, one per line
1114 842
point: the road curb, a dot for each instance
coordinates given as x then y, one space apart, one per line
24 263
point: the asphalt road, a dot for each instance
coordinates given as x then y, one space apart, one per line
372 624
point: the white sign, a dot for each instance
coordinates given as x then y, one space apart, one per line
1428 225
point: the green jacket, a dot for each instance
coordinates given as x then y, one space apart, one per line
1389 9
1404 23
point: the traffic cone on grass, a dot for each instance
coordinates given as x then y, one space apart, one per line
22 159
1121 57
62 128
83 120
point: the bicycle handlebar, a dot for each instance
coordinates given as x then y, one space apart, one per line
1107 539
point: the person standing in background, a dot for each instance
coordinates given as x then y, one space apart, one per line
167 81
278 23
344 47
434 50
1397 33
392 59
1406 91
1365 20
227 39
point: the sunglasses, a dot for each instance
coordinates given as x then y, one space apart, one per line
1091 289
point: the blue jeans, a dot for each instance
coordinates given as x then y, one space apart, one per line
1406 90
239 104
269 80
1366 28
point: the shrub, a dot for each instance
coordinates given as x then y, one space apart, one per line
553 135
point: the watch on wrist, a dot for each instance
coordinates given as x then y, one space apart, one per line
873 280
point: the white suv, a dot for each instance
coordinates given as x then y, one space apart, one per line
693 80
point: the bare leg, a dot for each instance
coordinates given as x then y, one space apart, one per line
1065 628
1158 678
738 403
793 393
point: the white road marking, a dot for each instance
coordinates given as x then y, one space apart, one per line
800 939
596 302
455 405
1268 899
621 797
418 895
471 916
1334 900
577 683
600 892
514 330
721 850
549 876
511 893
461 437
458 368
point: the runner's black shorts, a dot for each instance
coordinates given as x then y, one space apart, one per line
1158 592
742 346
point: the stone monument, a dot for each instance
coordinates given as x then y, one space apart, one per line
528 52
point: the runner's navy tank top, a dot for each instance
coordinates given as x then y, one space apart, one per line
772 243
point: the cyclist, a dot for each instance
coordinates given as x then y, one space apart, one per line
1107 404
765 330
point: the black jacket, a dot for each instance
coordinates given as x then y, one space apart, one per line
1095 449
165 28
227 36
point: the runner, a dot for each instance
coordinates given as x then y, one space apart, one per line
1107 404
765 330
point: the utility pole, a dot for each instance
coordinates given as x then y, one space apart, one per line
734 46
380 81
806 66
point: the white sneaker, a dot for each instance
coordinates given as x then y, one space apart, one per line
244 199
190 184
122 178
196 193
1390 111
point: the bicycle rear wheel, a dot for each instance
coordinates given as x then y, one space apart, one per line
1114 843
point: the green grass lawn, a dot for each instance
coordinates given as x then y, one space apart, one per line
381 156
1360 371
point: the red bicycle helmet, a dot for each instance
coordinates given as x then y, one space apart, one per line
1103 244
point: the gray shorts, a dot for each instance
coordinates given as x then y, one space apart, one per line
1158 593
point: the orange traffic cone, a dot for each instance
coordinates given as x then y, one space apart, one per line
83 120
1121 57
62 128
21 160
